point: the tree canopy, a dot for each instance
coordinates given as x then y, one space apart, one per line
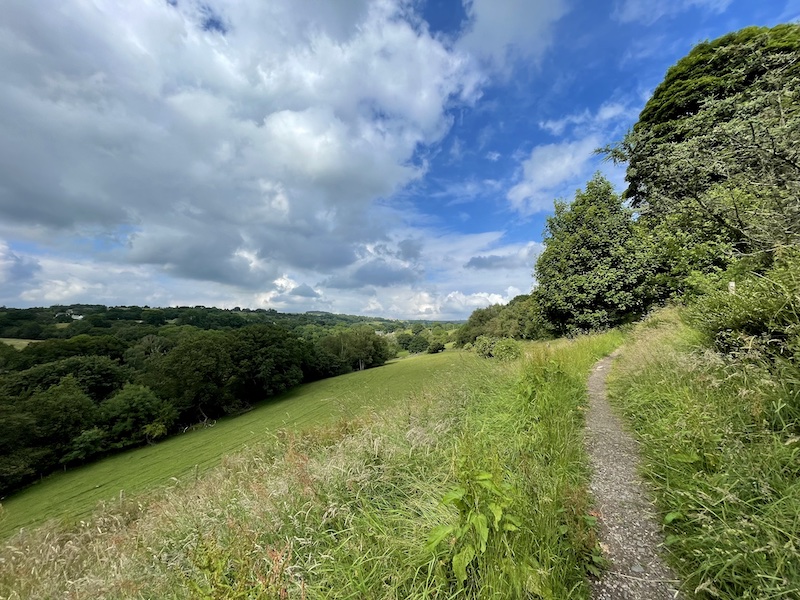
592 273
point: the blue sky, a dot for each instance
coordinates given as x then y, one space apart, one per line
387 157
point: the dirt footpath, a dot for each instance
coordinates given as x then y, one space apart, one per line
630 534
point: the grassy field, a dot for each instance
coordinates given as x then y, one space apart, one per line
17 343
727 477
74 494
474 488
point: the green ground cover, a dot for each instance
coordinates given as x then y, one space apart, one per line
17 343
475 487
74 494
725 470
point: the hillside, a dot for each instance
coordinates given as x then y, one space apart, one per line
75 493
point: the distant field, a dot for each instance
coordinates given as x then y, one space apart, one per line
75 493
18 343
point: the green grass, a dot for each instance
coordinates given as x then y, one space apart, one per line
727 482
74 494
17 343
473 488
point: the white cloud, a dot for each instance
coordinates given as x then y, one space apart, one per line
272 141
502 29
546 171
608 113
648 12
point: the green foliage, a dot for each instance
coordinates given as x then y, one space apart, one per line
88 444
419 343
357 348
484 345
482 501
727 479
435 347
98 377
713 163
506 350
127 415
759 325
593 272
522 318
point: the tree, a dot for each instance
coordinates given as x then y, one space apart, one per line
418 344
126 415
267 360
593 272
194 375
715 155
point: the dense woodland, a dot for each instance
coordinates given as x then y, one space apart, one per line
103 378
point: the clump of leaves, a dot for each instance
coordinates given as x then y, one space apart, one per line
482 501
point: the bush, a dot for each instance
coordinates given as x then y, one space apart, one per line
506 350
435 347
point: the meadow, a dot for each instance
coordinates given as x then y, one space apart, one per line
74 494
470 484
17 343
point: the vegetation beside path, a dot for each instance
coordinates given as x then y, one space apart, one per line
724 461
473 488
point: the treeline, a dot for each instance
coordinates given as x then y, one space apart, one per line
65 321
711 215
68 401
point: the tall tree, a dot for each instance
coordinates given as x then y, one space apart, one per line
716 150
593 272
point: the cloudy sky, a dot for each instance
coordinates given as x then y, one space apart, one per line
387 157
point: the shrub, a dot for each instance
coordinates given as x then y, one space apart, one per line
435 347
506 350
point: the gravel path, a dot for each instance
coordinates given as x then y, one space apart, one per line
630 534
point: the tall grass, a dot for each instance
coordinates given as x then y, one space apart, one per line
726 477
474 489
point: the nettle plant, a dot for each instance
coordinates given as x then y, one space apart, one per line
484 522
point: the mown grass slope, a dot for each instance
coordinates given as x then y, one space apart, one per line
74 494
17 343
474 488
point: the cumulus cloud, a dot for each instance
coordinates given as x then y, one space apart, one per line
236 140
609 112
555 170
244 154
644 11
16 271
545 172
512 258
499 30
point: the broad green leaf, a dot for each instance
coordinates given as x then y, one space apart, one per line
497 513
673 516
461 562
437 535
489 485
481 526
454 495
482 476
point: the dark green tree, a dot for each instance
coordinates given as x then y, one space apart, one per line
714 160
126 415
593 272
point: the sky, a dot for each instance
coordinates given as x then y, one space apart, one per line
396 158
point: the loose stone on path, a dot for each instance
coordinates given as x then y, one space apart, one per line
629 529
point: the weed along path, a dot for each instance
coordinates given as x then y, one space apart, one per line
629 531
